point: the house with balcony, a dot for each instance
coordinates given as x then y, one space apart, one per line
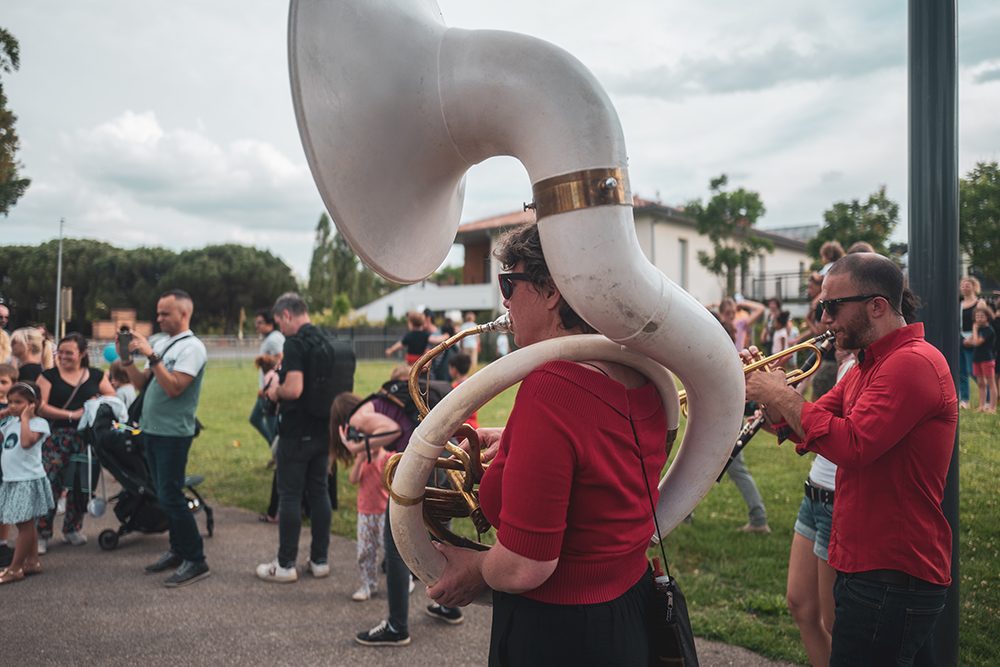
668 238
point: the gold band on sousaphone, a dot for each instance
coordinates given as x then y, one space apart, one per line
463 469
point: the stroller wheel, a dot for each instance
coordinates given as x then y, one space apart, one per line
108 539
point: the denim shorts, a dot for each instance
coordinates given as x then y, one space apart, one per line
813 523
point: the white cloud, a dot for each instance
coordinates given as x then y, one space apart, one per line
247 181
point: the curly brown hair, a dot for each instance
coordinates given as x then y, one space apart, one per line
523 244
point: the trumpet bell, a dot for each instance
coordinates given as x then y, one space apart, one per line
364 79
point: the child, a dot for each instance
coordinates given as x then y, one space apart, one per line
459 366
8 376
25 493
415 340
983 340
124 389
373 498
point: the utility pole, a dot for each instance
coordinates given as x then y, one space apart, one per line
57 332
933 226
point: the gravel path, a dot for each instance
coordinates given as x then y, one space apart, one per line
97 607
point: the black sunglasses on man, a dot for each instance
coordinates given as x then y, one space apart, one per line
832 305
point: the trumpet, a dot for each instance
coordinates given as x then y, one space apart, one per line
817 345
463 470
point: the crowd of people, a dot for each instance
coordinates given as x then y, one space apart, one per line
44 397
570 558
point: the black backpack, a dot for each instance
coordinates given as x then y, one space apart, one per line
398 393
329 371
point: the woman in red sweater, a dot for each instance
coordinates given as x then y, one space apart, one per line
566 494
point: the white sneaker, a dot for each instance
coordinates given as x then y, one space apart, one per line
75 538
319 570
362 594
43 546
274 572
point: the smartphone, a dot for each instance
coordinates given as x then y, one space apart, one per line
123 341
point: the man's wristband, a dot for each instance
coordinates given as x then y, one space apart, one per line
154 359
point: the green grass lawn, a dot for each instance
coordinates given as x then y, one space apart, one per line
734 582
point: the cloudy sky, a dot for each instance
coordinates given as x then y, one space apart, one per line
147 123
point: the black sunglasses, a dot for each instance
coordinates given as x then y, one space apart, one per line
507 281
831 305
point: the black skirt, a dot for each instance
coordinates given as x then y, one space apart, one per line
528 632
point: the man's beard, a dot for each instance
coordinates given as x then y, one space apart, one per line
857 333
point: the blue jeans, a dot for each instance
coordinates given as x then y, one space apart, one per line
883 624
167 457
266 425
302 465
964 372
740 474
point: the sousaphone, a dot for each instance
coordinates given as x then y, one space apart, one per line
393 108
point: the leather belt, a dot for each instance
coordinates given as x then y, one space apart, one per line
814 492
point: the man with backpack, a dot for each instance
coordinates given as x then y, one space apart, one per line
309 377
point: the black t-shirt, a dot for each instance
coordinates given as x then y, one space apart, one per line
293 419
985 351
29 372
61 391
415 342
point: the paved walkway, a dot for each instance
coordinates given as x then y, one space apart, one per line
94 607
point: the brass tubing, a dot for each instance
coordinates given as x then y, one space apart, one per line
794 376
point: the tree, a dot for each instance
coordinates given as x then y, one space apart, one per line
336 270
320 291
12 186
850 222
222 279
727 219
979 217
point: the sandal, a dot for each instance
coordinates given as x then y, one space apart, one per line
267 518
34 567
10 575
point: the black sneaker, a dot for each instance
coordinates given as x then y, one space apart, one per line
168 560
452 615
188 573
383 634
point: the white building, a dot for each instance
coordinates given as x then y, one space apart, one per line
668 238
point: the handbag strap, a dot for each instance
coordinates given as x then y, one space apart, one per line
79 383
649 495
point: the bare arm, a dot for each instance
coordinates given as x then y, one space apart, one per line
354 476
395 347
290 389
50 411
137 377
28 437
755 308
468 573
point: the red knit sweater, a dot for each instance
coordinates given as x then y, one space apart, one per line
567 481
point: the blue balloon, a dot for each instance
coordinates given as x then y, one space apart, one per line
110 353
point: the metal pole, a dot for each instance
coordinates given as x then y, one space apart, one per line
933 231
57 332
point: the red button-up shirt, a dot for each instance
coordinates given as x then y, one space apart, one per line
889 425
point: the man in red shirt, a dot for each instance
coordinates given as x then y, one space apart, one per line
889 425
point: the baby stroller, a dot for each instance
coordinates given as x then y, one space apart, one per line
119 449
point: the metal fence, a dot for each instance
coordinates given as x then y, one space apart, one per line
369 344
787 286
